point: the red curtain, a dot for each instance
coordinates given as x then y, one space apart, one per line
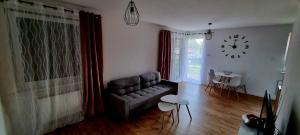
92 62
164 54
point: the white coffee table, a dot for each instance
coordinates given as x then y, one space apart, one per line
174 99
166 107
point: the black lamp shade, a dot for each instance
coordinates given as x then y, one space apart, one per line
208 35
131 16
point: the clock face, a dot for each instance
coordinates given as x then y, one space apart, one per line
235 46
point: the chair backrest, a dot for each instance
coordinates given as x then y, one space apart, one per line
244 79
211 75
235 82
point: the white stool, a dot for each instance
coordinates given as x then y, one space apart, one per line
166 107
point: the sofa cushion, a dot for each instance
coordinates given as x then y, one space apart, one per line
162 87
139 97
150 79
125 85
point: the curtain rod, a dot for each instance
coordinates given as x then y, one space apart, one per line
188 33
44 5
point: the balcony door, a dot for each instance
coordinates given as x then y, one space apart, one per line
187 57
193 60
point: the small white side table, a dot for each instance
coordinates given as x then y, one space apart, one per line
174 99
166 107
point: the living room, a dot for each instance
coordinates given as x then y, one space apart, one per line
147 67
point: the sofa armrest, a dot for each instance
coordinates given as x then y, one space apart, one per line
119 106
170 83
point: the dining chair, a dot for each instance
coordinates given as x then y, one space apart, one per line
243 85
213 82
234 85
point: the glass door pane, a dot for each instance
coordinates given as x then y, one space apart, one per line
194 60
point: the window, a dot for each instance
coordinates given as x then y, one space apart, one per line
45 48
48 49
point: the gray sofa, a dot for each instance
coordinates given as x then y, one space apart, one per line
130 95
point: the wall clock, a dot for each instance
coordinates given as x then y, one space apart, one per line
235 46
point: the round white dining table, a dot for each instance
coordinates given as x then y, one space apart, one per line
222 74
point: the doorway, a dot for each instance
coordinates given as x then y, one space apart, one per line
187 59
193 58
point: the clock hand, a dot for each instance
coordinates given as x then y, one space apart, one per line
234 42
234 45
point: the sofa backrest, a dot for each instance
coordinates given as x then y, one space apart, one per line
150 79
125 85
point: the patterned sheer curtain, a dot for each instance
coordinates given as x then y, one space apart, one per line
187 60
44 86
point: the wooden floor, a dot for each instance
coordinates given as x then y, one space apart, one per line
212 115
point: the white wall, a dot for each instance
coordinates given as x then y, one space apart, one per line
261 65
128 50
289 110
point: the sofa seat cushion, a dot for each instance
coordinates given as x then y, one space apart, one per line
162 87
139 97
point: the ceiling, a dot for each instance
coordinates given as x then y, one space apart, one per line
193 15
